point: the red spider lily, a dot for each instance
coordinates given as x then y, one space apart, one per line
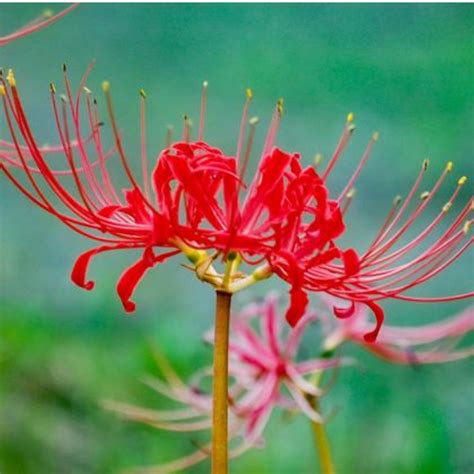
265 375
197 200
182 210
45 19
423 344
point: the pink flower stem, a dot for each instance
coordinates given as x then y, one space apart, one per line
219 459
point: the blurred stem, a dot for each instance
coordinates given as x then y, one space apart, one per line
220 384
322 445
321 440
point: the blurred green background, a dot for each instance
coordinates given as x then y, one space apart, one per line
405 70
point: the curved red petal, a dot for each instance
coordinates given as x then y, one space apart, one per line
344 313
351 262
132 276
379 317
79 270
298 302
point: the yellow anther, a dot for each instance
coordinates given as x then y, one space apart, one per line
2 90
280 106
462 180
11 78
449 166
52 87
467 226
351 127
87 90
63 98
425 165
350 117
318 159
397 200
261 273
375 136
424 195
48 13
142 93
254 121
106 86
249 93
447 206
205 84
351 193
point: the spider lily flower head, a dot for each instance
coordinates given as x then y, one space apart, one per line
264 373
196 201
191 202
422 344
45 19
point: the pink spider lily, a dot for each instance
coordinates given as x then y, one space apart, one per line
423 344
265 362
45 19
265 374
193 416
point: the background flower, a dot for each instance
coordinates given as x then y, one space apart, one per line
47 18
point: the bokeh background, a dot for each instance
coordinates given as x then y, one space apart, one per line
405 70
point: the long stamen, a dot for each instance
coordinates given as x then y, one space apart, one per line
383 262
146 185
91 179
45 20
362 163
44 203
349 196
248 148
118 143
169 136
94 124
186 129
376 252
273 129
67 220
243 123
381 235
341 146
202 114
86 198
65 197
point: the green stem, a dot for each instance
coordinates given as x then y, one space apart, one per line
219 459
322 444
321 440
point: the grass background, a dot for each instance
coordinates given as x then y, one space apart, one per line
405 70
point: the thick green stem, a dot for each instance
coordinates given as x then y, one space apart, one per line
220 384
